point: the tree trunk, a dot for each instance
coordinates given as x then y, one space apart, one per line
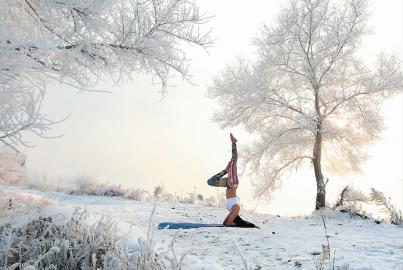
317 154
320 185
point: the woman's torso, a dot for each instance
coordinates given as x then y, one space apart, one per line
230 192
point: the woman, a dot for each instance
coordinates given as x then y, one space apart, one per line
231 183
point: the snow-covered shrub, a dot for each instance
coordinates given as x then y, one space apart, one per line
350 196
86 185
200 198
137 194
161 194
395 215
45 245
114 191
21 203
158 190
189 198
353 202
169 197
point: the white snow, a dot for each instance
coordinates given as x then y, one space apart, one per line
282 243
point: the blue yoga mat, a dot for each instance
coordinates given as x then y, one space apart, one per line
175 225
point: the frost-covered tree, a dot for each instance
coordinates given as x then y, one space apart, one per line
308 95
78 42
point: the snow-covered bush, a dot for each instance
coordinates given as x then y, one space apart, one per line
169 197
137 194
43 243
395 215
189 198
349 196
158 191
352 201
21 203
356 203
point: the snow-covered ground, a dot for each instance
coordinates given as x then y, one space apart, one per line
282 243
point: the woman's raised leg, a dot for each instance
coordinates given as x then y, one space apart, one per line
217 180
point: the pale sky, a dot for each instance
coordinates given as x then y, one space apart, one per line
131 137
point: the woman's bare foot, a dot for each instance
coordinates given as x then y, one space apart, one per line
233 140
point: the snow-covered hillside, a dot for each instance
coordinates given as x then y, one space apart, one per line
282 243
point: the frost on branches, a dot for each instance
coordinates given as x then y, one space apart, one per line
308 94
77 42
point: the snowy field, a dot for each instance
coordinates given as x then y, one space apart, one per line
282 243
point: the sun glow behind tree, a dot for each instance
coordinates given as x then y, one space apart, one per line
308 95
